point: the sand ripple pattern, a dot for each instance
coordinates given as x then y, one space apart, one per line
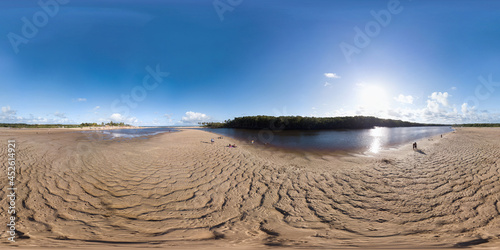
180 188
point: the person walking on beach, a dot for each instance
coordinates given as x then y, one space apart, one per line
415 145
212 140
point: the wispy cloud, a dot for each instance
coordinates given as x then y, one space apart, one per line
97 107
7 111
60 115
332 75
327 84
404 99
80 100
8 115
168 118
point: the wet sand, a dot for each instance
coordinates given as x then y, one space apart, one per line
178 190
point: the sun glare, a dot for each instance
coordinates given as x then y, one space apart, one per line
373 98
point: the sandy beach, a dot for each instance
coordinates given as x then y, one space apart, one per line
178 190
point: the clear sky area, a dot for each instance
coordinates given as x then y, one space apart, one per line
180 62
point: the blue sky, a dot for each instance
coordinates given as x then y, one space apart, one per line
181 62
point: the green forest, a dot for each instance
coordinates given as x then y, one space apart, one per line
311 123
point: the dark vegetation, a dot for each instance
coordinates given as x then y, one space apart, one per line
478 125
121 124
310 123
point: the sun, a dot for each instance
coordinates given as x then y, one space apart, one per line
373 98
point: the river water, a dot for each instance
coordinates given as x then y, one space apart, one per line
372 140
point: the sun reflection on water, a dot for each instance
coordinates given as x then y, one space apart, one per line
376 133
375 145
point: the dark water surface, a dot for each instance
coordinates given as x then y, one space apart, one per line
372 140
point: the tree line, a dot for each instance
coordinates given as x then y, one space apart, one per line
311 123
478 125
121 124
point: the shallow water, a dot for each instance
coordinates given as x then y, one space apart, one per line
132 133
372 140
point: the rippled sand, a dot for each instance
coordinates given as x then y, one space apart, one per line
179 190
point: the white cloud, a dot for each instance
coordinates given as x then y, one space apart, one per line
468 111
464 108
332 75
97 107
327 84
453 88
438 109
440 97
194 117
404 99
81 99
116 117
433 106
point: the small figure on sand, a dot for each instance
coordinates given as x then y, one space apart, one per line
212 140
252 141
415 145
231 146
441 136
